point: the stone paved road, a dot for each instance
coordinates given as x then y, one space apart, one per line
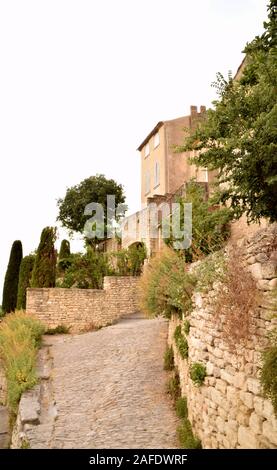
109 389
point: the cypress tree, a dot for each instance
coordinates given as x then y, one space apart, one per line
64 250
44 271
25 274
11 278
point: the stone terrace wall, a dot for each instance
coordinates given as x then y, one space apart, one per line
229 410
82 309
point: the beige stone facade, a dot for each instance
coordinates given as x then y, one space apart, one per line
163 170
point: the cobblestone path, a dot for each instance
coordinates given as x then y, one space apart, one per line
108 390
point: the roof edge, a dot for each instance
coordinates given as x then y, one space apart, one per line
153 132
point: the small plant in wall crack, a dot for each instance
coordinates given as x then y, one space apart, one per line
181 407
186 436
181 342
197 373
186 327
173 386
169 358
268 374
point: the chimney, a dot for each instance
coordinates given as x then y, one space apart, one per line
202 109
193 111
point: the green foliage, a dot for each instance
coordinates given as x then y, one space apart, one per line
91 190
11 278
25 274
59 330
20 336
239 138
168 359
44 271
173 386
181 407
197 373
268 375
86 271
209 223
186 437
166 286
136 255
186 327
64 249
64 255
181 342
210 269
129 262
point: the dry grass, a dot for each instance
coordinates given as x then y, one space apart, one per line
236 301
20 336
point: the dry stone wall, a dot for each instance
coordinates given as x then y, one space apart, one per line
229 409
83 309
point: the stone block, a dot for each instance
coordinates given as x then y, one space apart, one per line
268 411
269 432
221 385
255 423
247 439
269 269
259 405
247 399
226 376
29 407
217 397
256 270
239 380
253 385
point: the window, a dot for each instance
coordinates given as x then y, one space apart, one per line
157 174
146 150
147 182
156 140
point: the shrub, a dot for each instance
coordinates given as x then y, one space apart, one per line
210 223
173 386
20 336
11 278
166 286
25 275
59 330
181 407
197 373
268 375
169 359
210 269
86 271
44 271
181 342
129 262
186 437
186 327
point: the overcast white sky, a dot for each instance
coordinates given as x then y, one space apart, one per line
83 82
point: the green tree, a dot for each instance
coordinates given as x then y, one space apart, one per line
25 274
91 190
239 137
210 226
44 271
64 250
11 278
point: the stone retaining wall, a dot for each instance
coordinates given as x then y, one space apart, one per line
83 309
229 410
